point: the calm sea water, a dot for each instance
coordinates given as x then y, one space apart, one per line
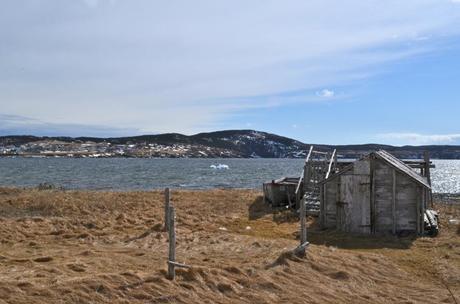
141 174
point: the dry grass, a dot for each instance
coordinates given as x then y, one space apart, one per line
109 247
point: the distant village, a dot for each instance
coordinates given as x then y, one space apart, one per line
54 148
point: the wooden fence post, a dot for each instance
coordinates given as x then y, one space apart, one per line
172 244
303 223
301 249
426 158
167 207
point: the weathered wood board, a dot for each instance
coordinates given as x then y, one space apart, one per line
392 202
330 208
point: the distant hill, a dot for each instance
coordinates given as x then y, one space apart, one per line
245 143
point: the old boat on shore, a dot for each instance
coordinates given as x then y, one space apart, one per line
281 192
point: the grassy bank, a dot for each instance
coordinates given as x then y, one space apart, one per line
106 247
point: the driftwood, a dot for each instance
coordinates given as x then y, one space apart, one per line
176 264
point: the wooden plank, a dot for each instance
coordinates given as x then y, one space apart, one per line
320 152
372 195
426 158
335 161
361 206
306 173
176 264
303 222
393 209
407 196
306 181
172 244
383 196
330 212
418 203
297 189
421 166
401 166
345 203
361 167
331 163
422 211
338 208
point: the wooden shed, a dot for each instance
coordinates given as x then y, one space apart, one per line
376 194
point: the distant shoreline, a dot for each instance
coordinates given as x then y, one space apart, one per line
166 157
220 144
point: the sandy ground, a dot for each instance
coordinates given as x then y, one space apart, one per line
103 247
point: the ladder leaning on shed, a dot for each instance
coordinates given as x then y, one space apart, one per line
318 166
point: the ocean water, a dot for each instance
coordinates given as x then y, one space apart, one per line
445 178
144 174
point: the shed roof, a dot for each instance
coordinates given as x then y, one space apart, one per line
392 161
402 167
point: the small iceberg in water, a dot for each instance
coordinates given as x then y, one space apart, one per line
220 166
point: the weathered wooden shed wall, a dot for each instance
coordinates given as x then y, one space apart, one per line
372 197
346 199
395 211
329 209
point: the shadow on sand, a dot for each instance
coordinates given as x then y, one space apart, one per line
259 209
329 237
334 238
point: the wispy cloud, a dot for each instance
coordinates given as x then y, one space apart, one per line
18 125
164 66
421 139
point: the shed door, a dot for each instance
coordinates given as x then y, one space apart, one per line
344 202
361 212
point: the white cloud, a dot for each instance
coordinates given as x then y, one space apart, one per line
421 139
16 125
176 66
325 93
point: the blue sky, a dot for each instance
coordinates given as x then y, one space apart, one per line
318 71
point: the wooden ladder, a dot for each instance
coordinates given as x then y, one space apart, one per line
318 166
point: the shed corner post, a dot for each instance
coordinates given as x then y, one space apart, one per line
426 198
372 192
418 208
393 209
